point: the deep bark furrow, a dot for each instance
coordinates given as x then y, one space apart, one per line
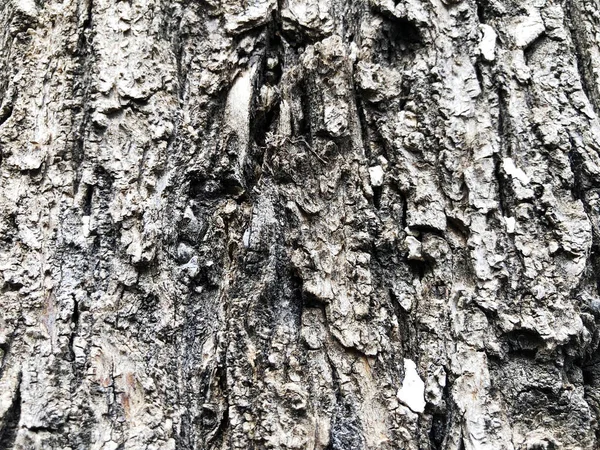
581 21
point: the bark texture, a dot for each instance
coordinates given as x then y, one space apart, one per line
299 224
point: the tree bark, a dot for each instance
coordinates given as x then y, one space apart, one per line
301 224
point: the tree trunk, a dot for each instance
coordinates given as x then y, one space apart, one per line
303 224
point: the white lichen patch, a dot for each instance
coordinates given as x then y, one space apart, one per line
487 45
511 169
376 175
412 393
510 224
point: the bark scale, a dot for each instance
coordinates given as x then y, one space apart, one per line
301 224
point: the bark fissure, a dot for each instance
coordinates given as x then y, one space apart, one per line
576 26
11 419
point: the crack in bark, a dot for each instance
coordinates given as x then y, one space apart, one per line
81 91
503 130
11 420
588 84
75 328
5 114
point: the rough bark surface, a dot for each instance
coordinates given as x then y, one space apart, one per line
299 224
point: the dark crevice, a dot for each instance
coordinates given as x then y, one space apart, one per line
458 227
490 9
81 90
402 33
437 433
591 373
75 328
404 94
179 52
264 123
578 169
578 191
264 116
595 261
305 126
404 219
294 33
87 23
481 12
310 301
534 46
586 77
346 432
502 189
207 191
218 434
6 112
87 204
364 127
479 75
11 285
377 192
299 37
405 32
525 343
42 428
12 417
424 228
441 420
406 327
503 124
299 302
6 350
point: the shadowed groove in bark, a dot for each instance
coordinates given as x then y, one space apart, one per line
5 113
11 420
505 147
346 434
81 91
574 14
75 327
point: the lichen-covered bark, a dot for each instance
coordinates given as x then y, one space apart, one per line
302 224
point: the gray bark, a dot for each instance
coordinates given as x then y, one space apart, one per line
301 224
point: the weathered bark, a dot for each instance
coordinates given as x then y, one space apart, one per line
303 224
